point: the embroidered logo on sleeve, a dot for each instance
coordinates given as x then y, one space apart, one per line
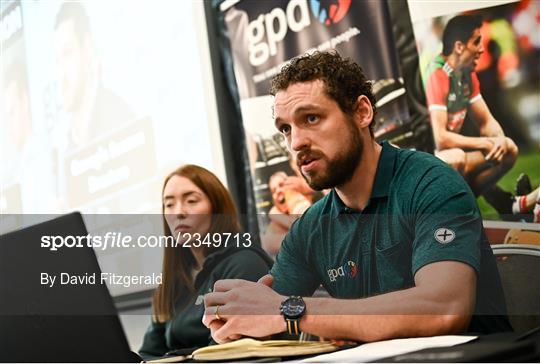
444 235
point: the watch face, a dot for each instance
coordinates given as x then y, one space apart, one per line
293 307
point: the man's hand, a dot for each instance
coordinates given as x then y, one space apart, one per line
498 149
244 309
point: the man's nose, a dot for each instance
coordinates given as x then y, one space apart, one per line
299 139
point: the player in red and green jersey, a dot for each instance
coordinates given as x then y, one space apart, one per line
453 91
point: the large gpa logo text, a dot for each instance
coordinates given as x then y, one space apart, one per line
275 24
349 270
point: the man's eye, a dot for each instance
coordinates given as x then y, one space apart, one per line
168 205
312 118
192 201
285 129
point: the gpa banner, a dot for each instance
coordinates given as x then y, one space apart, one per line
264 36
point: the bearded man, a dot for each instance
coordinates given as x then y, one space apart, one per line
398 243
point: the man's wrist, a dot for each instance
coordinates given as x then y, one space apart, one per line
279 324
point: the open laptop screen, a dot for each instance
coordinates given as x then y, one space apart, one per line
58 322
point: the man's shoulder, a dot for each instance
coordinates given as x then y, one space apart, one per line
436 65
416 168
419 160
437 84
437 78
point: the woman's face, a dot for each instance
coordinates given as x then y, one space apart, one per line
186 207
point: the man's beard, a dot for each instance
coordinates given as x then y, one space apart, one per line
340 169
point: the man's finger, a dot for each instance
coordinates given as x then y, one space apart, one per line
216 325
210 315
492 152
494 156
215 298
224 312
223 334
208 319
504 150
267 280
499 155
224 285
235 337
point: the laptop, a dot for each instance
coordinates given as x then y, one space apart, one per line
62 322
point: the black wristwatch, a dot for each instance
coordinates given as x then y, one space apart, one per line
292 309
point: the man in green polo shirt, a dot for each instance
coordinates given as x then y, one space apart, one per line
398 243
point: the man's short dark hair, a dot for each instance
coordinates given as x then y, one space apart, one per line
459 28
344 79
74 11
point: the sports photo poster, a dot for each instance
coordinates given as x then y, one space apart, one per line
506 77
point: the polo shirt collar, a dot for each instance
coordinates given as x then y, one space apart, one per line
381 184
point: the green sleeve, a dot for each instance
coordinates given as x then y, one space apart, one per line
292 271
154 344
447 223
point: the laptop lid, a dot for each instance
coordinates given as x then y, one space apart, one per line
60 322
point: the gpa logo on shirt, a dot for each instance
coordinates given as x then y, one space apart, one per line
348 270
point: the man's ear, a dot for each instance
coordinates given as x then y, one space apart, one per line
364 111
458 47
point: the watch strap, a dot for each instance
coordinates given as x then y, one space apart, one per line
293 326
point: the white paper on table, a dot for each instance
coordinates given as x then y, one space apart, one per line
384 349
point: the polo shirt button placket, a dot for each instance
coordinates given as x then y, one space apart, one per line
361 225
